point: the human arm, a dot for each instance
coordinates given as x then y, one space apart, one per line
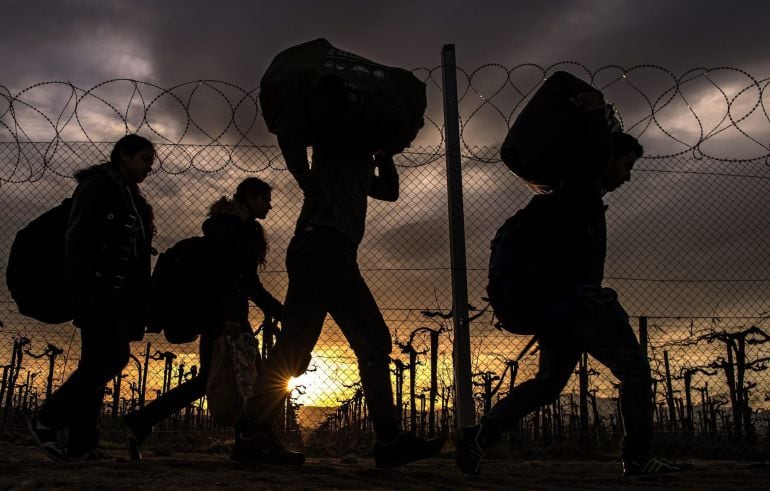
385 185
295 154
596 149
263 299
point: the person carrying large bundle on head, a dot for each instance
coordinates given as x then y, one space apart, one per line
547 267
356 115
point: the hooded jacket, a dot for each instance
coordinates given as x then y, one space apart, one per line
558 250
237 244
108 243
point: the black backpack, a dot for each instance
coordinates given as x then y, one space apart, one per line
180 296
525 275
504 288
35 274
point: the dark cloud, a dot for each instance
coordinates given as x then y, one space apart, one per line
167 43
88 41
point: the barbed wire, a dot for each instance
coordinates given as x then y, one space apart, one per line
607 79
220 121
687 249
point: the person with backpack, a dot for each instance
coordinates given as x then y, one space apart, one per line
551 286
324 277
107 248
236 249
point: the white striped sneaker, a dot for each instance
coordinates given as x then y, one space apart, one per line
649 467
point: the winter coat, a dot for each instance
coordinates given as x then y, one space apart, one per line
237 244
108 243
560 249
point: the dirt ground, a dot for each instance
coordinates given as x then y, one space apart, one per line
25 468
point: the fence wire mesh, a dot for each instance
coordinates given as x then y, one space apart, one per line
687 251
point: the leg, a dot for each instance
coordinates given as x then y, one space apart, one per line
360 319
76 404
177 398
138 425
83 431
361 322
558 358
612 342
315 263
557 362
316 276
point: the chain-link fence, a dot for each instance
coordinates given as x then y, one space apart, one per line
687 248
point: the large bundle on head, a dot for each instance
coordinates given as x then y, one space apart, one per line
555 140
313 85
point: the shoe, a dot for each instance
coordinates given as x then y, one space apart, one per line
136 435
263 448
649 467
53 442
469 450
92 455
405 448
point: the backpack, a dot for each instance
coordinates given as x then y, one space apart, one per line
551 140
179 297
36 275
527 287
504 288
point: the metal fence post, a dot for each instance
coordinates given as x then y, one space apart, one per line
462 342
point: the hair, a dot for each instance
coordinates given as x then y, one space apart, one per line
624 144
129 145
254 186
251 186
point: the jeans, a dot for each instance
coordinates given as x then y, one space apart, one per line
324 278
105 350
602 330
180 396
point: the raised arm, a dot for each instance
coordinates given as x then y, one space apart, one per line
597 136
385 184
295 154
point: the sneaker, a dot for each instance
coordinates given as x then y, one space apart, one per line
405 448
649 467
53 442
136 434
92 455
469 450
263 448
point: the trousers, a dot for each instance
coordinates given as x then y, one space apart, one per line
603 331
324 279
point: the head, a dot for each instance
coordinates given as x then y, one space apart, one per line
133 155
255 194
625 150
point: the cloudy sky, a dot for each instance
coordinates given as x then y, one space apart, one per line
685 240
172 42
175 41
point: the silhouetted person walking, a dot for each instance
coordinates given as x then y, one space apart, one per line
561 247
324 278
107 257
238 249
